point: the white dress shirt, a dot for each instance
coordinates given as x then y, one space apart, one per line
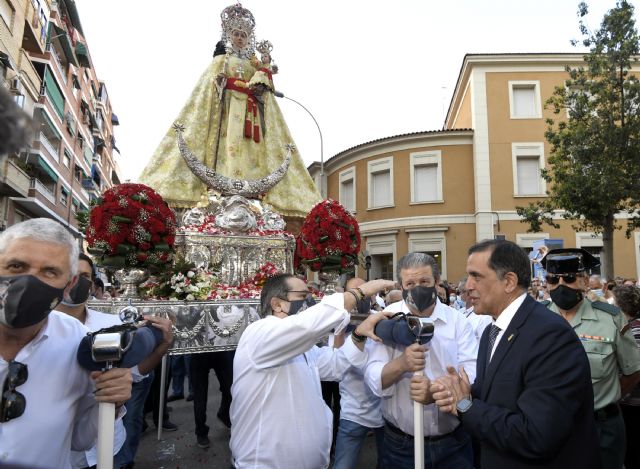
61 412
278 417
358 403
453 344
95 321
479 322
505 318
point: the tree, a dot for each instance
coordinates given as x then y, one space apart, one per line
593 172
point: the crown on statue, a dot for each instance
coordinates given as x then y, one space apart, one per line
265 47
236 17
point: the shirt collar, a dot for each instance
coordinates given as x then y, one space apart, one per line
439 312
509 312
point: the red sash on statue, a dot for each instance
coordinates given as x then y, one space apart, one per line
251 121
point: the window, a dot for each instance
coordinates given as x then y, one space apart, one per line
527 161
524 99
347 190
64 196
592 243
382 249
380 183
426 177
74 206
77 173
66 158
430 241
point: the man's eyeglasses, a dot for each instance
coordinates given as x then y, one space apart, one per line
13 403
554 279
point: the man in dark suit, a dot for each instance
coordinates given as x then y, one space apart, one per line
531 404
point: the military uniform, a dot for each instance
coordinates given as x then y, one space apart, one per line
598 325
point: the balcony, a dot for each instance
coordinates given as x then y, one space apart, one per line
35 33
29 74
13 181
44 141
58 64
39 188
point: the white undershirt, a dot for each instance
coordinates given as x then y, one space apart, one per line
278 416
61 413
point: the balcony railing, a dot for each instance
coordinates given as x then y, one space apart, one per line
43 190
56 60
29 72
50 148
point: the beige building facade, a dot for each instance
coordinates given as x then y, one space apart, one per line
46 66
441 191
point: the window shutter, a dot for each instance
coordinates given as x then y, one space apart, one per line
425 183
528 175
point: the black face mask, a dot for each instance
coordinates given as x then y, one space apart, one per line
79 293
420 298
565 297
25 300
300 305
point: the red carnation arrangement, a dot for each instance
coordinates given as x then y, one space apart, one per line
329 238
131 225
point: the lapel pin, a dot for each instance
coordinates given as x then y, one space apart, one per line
510 337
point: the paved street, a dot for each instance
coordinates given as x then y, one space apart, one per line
178 450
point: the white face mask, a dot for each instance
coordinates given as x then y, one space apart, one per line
452 299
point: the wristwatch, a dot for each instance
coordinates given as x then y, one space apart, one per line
463 405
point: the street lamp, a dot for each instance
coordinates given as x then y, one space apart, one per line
367 263
280 94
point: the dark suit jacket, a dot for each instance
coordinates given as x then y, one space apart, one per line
533 405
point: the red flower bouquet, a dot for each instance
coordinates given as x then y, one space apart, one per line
329 239
131 225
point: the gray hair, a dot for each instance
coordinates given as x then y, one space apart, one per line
275 287
462 283
417 259
45 230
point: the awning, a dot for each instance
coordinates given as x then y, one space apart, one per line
114 119
5 60
83 55
47 120
62 36
113 144
47 169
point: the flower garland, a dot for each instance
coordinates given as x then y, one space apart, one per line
329 238
131 225
189 283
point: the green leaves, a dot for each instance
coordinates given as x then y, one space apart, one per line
594 135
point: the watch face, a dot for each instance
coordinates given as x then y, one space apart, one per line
463 405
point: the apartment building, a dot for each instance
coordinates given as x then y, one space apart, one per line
46 65
441 191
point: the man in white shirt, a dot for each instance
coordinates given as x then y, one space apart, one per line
278 416
360 410
76 306
49 404
390 373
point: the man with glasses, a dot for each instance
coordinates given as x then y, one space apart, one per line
614 358
49 404
278 416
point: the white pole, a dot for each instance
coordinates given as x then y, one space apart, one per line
163 377
418 431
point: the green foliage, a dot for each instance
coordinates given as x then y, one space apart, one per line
594 165
82 217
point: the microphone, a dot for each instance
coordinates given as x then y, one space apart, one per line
123 346
405 330
278 94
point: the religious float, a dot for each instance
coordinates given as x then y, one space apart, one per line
197 239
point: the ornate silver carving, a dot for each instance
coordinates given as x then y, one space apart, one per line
194 216
251 188
272 220
199 326
237 215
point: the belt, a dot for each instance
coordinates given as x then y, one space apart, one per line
393 429
607 412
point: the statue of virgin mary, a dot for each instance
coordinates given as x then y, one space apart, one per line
233 124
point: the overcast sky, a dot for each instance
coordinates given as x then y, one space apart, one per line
366 69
